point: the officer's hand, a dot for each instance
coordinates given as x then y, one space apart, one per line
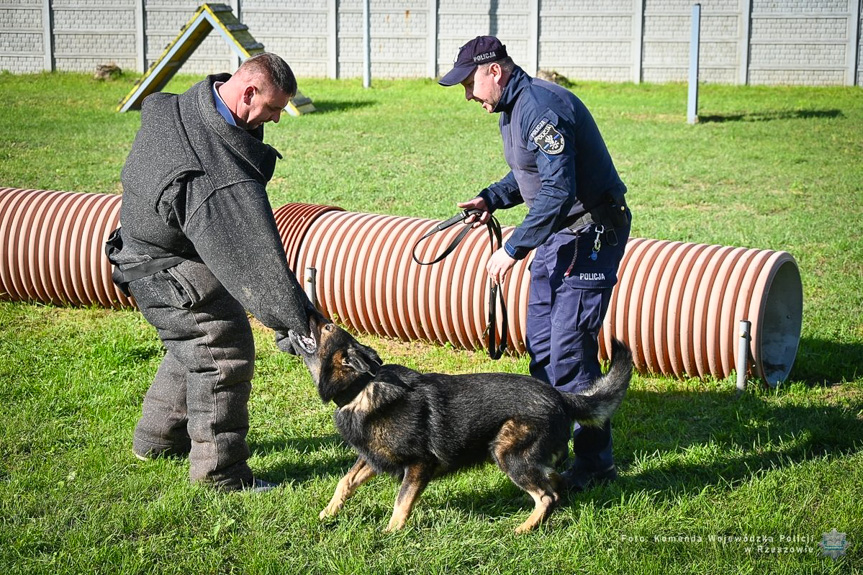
499 265
478 203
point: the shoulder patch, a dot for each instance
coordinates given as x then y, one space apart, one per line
546 136
539 126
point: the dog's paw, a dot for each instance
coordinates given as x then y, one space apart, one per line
329 511
523 528
395 524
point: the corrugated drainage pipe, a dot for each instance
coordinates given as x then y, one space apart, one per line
53 247
677 304
53 244
293 221
367 278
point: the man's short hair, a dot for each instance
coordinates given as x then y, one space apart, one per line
275 68
506 64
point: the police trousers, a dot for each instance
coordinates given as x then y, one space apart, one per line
198 400
570 289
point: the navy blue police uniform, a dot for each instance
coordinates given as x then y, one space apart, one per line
577 224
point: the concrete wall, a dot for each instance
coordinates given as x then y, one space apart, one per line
814 42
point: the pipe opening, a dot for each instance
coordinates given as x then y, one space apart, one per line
781 323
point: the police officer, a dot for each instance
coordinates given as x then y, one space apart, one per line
198 248
577 224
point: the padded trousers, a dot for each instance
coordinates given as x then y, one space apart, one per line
198 400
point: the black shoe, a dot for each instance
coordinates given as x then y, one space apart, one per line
581 478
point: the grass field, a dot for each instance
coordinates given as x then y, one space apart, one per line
711 482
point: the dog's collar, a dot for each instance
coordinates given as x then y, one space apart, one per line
343 398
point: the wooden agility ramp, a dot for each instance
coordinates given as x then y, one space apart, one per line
205 19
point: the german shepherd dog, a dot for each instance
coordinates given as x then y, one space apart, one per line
418 426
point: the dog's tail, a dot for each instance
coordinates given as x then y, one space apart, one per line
594 406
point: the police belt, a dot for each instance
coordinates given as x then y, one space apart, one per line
611 213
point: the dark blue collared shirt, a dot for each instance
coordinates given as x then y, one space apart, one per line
559 164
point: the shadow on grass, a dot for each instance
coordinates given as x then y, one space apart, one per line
711 438
822 362
687 441
143 353
308 468
770 116
667 442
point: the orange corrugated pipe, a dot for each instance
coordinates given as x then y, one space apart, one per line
53 247
676 304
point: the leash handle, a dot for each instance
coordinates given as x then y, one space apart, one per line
495 295
460 217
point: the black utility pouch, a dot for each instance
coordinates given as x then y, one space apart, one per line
113 246
617 212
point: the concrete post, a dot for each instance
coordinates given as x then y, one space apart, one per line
367 45
745 38
533 38
637 39
332 39
692 108
235 59
140 36
853 43
48 34
431 70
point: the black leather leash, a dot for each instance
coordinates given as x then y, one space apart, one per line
495 294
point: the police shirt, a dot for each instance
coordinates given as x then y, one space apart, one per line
559 164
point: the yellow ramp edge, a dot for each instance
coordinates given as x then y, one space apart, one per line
206 18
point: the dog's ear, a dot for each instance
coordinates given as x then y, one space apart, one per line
362 359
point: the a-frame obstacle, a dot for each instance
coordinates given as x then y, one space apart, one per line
206 18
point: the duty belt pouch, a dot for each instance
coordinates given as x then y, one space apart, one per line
617 212
611 213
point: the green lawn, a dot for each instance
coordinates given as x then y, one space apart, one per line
711 482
